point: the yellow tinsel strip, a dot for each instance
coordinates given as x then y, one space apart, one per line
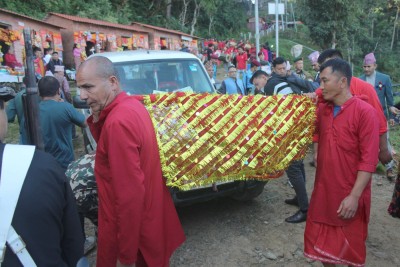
213 138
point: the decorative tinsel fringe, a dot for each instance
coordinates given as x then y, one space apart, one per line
206 138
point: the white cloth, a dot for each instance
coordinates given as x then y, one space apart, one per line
46 59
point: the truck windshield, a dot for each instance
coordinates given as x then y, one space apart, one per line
152 77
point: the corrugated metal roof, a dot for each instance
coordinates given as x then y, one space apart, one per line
145 55
95 21
163 29
30 18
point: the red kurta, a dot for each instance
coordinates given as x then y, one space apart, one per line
136 212
241 60
365 90
11 61
347 144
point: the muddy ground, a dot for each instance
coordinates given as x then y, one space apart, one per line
225 232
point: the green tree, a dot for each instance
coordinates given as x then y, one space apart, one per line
329 21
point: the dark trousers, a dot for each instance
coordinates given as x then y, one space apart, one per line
297 177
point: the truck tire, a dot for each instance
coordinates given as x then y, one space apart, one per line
251 190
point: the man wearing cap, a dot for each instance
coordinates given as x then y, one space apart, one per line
248 85
45 217
313 57
299 69
56 120
364 90
383 88
232 85
259 80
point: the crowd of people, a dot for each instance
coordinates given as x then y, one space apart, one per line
352 130
137 221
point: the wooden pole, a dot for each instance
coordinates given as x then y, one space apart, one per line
32 97
257 24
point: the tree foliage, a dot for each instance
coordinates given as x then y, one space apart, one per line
211 18
356 27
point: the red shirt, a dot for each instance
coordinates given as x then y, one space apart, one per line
11 61
230 50
221 45
265 52
136 211
241 61
367 92
347 144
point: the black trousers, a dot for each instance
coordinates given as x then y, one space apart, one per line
297 177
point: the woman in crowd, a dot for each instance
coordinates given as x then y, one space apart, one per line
77 56
10 60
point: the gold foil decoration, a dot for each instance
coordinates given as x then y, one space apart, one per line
206 138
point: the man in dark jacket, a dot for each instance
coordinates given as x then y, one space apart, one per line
45 216
55 60
278 84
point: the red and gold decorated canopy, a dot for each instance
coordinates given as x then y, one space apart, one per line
207 138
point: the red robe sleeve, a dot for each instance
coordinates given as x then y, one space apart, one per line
359 87
123 138
369 141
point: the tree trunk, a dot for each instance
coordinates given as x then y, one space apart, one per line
195 16
210 25
394 27
334 39
182 17
372 28
250 7
169 4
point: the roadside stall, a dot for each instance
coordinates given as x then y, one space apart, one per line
88 36
43 35
11 73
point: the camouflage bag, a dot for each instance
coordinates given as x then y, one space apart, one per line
83 183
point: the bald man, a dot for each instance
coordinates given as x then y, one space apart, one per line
138 223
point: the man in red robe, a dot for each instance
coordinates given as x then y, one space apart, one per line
241 63
367 92
348 137
138 223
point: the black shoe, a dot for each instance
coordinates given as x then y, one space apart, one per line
298 217
292 201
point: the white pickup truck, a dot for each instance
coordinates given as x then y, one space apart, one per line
146 72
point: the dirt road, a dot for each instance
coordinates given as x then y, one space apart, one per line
226 232
229 233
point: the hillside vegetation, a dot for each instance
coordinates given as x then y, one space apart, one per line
356 27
